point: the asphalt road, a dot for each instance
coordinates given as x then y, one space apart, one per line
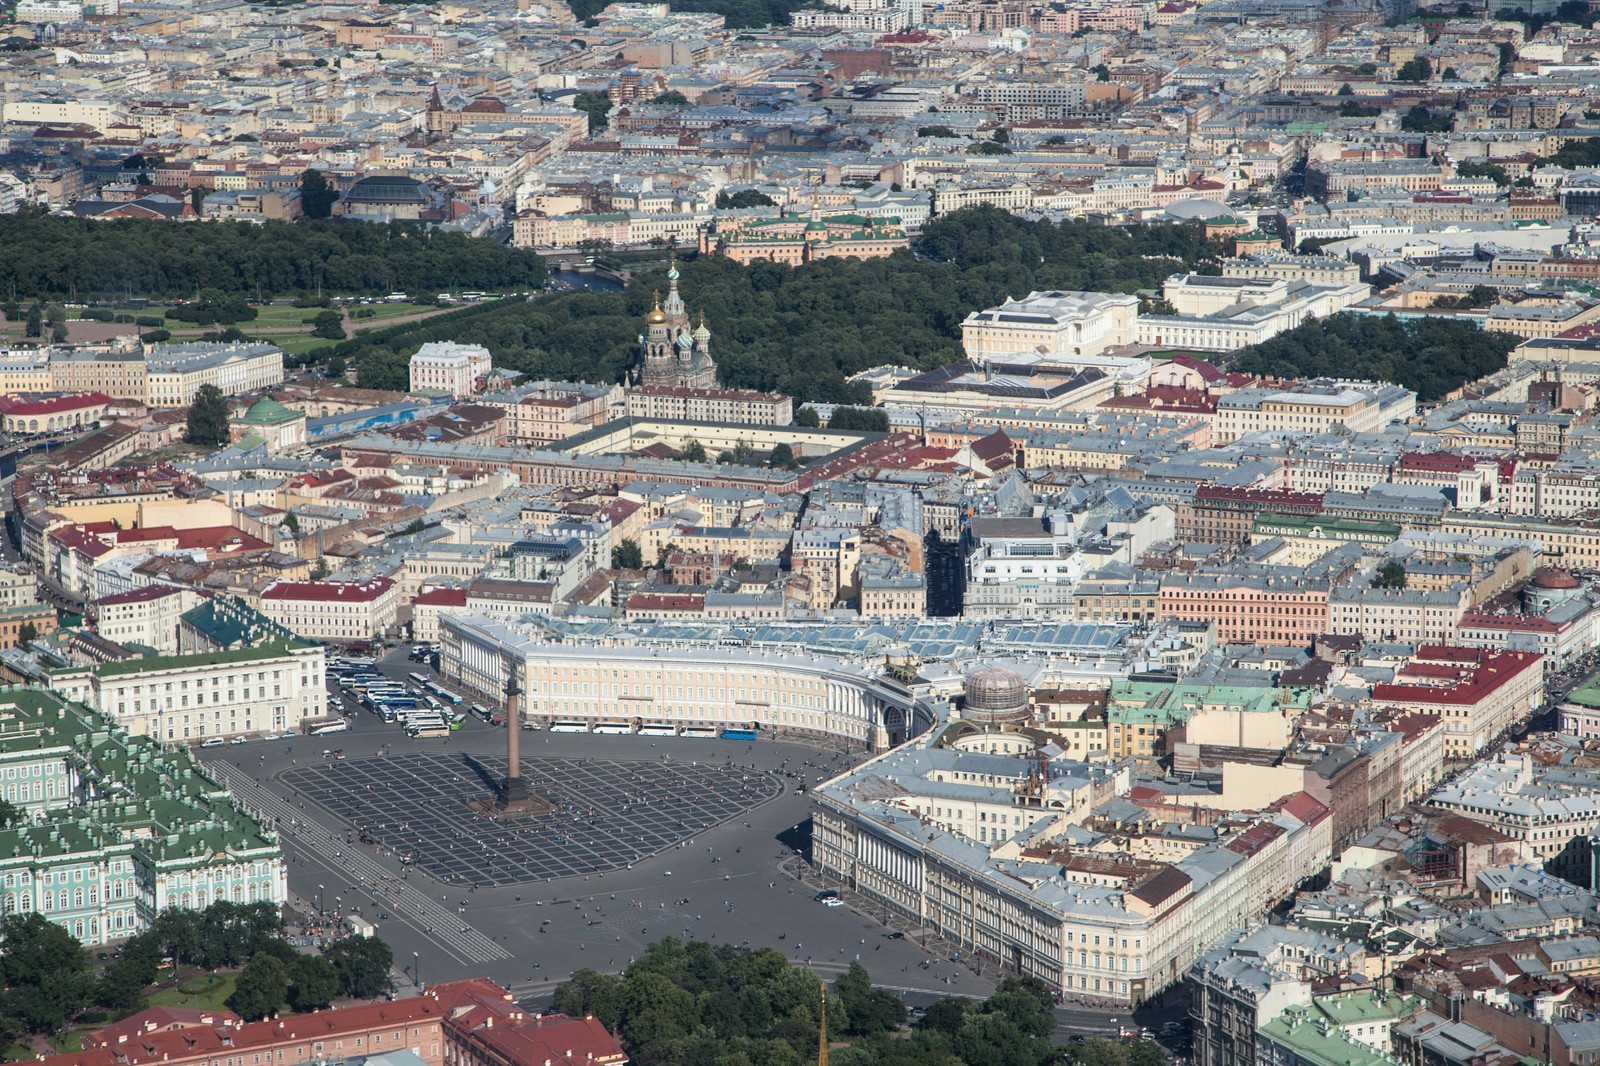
726 884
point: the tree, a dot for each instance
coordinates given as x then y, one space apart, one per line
782 456
197 199
58 332
987 148
328 324
860 419
1416 69
362 964
46 973
745 198
261 988
35 322
313 982
597 106
1450 74
336 366
671 96
1421 120
693 452
627 555
1000 135
208 417
1391 575
1345 90
1493 171
807 417
937 131
27 633
316 198
667 551
1102 73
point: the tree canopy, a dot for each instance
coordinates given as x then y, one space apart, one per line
208 417
54 257
1432 355
684 1003
804 330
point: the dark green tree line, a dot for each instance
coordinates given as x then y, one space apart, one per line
804 330
1434 356
51 257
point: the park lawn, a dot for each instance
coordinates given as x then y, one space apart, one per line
18 1052
72 1039
300 345
383 311
209 992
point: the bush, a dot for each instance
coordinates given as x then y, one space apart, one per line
149 321
156 336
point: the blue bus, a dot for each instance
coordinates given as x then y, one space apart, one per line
738 734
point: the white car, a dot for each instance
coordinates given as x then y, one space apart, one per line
237 740
833 901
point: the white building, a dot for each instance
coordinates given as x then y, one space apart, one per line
176 371
145 616
1051 323
692 691
446 366
339 611
271 688
1222 314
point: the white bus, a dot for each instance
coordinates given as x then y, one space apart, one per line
420 730
420 680
613 729
569 727
698 731
330 727
657 731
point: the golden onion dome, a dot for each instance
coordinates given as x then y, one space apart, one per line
656 317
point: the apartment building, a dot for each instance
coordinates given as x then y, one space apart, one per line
147 616
1315 407
1478 693
445 366
332 611
676 403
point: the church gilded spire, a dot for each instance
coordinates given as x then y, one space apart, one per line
670 353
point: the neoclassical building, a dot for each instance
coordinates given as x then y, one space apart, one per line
684 691
86 857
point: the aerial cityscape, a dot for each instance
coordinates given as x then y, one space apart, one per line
759 532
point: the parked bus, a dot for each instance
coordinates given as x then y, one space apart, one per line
657 731
320 728
698 731
569 727
738 734
613 729
420 680
426 730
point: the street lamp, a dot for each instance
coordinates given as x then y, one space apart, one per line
319 899
338 904
416 971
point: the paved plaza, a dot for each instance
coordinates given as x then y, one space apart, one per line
608 813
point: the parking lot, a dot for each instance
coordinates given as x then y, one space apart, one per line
607 815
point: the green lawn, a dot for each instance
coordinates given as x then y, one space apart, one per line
202 993
301 345
71 1040
17 1052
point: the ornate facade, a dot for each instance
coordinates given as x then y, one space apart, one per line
670 353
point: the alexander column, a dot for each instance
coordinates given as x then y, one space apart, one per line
514 789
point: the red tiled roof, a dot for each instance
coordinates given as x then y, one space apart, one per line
443 597
666 601
13 405
1447 674
213 538
329 591
142 595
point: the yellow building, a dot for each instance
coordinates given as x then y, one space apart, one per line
794 239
